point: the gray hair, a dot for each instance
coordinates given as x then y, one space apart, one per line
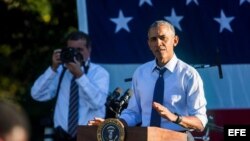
162 22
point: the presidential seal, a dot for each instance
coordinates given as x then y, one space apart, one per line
111 130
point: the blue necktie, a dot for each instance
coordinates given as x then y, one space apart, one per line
158 97
73 108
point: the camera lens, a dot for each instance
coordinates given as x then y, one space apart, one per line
68 54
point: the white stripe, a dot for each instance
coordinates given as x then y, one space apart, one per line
230 92
82 15
118 74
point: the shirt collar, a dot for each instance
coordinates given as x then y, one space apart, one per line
87 63
170 65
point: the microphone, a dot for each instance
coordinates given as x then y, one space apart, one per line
125 97
218 62
112 97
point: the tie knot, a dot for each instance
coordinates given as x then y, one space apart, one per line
161 70
73 79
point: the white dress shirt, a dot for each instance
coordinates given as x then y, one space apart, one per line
93 91
183 94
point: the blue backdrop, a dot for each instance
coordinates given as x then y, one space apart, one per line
209 30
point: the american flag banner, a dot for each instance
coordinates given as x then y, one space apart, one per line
208 29
213 36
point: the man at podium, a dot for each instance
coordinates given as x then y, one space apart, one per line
167 92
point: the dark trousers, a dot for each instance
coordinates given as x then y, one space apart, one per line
61 135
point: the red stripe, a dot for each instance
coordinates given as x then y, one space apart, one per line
221 118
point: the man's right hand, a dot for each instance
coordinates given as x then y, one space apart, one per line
56 60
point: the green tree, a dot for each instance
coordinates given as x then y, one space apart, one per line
30 30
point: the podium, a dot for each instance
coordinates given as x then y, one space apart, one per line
89 133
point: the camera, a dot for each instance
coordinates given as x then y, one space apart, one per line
68 54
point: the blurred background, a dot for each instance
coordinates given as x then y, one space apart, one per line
29 31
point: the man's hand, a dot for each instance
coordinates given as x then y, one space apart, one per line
189 122
164 112
56 61
75 68
95 122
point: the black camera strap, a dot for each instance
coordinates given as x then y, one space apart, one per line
56 96
59 82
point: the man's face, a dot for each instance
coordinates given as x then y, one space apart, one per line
161 41
81 45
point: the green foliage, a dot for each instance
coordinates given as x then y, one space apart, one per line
30 30
42 7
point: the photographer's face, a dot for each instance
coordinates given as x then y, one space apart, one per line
81 45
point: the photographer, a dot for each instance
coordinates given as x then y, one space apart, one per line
71 69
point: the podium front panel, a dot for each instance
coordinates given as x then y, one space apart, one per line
89 133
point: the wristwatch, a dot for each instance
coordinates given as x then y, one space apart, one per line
179 118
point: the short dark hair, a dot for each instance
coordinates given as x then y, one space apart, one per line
76 35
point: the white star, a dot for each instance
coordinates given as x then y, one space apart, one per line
174 19
121 22
145 1
242 1
189 1
224 22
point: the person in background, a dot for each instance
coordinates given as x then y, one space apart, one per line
183 106
14 124
70 65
